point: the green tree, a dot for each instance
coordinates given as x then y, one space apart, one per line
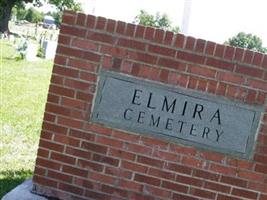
161 21
247 41
7 5
34 16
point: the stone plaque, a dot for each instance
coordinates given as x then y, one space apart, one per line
176 114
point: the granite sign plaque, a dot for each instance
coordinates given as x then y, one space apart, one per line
176 114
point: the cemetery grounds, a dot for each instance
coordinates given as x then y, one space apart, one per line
23 93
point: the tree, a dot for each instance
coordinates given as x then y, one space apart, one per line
7 5
159 21
247 41
34 16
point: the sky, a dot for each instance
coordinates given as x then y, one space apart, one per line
214 20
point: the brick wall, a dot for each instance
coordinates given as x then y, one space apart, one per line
78 159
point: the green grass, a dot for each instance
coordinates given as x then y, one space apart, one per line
23 90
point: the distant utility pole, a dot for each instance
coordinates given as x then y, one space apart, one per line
186 16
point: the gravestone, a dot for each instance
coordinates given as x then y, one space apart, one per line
135 112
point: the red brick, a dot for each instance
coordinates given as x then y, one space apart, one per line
178 168
166 155
70 188
122 154
188 180
73 31
220 64
174 186
63 39
120 27
96 195
81 18
168 37
147 179
115 191
149 33
250 71
210 47
206 175
43 153
244 193
90 22
63 158
130 185
130 30
73 103
44 181
109 141
150 161
201 71
100 37
125 136
229 52
202 193
183 197
78 153
248 56
134 166
89 165
118 172
65 71
196 163
54 128
234 181
180 40
39 171
84 96
230 77
139 32
216 157
224 197
68 19
264 62
157 191
138 149
51 146
239 54
133 44
84 44
162 174
257 59
200 45
261 97
261 168
60 60
263 197
47 164
48 117
222 169
94 147
99 129
219 50
164 75
161 50
183 80
100 23
212 86
257 84
190 57
159 35
70 122
217 187
59 176
173 64
221 89
82 64
192 84
143 57
183 150
105 160
57 79
190 43
75 171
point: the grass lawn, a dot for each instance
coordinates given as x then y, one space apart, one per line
23 92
